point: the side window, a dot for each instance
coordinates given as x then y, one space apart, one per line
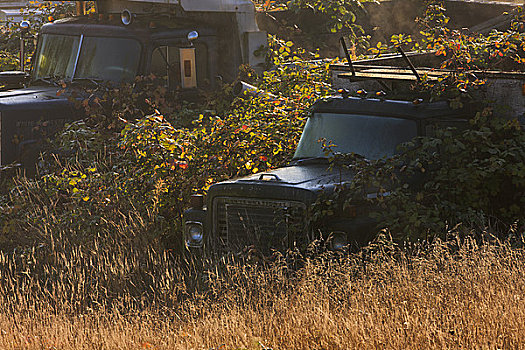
165 63
159 66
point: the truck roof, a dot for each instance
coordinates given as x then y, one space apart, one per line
388 108
90 26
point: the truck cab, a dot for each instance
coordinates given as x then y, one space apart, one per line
191 45
82 49
269 211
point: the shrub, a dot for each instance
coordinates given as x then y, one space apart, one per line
473 177
142 150
38 13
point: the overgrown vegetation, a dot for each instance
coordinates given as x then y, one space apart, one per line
469 175
472 176
446 295
142 151
461 51
38 13
320 19
88 246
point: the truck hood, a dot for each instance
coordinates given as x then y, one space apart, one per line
29 116
305 176
29 94
295 182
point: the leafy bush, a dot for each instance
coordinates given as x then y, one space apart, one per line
332 16
341 13
38 13
473 177
141 151
256 134
462 51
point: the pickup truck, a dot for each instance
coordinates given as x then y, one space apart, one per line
270 211
192 44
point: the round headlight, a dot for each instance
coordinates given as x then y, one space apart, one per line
194 234
338 240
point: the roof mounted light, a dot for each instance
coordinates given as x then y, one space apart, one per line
344 92
362 93
127 17
380 94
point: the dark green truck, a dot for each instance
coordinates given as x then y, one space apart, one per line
269 211
191 44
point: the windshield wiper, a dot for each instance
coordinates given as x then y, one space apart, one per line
93 81
309 160
46 80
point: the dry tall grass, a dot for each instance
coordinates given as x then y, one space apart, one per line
113 296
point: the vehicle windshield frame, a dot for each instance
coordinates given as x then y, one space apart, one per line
82 37
307 149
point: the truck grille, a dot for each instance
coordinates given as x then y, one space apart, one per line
262 223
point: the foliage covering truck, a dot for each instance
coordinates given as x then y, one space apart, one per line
192 44
271 210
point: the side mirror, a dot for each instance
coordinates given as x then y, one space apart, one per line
192 36
24 27
24 30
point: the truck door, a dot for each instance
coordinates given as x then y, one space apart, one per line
181 66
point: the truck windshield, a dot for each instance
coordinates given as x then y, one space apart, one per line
99 58
369 136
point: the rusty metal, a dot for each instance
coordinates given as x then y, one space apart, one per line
407 60
347 54
386 74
